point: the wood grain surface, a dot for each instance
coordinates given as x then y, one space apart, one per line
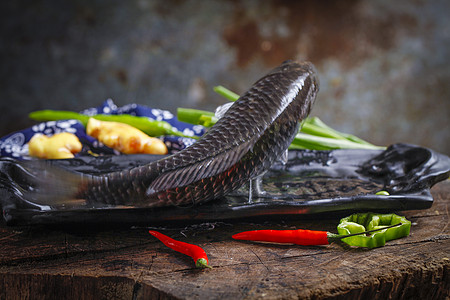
92 262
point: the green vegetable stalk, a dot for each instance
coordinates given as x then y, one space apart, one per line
314 134
196 116
223 91
146 125
314 142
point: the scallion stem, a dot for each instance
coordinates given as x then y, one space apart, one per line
313 142
191 115
223 91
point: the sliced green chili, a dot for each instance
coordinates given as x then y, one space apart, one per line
361 222
382 193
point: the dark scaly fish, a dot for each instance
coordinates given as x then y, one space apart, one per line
255 131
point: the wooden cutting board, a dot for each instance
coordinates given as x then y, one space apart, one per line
82 262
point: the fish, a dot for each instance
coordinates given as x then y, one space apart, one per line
249 137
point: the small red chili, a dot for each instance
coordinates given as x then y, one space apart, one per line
194 251
298 237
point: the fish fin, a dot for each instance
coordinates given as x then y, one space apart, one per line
255 188
222 109
198 170
283 159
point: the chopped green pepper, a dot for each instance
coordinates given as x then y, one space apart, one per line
368 221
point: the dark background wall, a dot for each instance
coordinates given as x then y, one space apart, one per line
383 65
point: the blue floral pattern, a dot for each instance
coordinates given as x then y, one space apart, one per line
15 145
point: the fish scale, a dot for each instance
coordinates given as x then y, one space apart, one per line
255 131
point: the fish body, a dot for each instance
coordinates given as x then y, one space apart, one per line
255 131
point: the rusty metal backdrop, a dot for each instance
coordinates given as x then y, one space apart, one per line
383 65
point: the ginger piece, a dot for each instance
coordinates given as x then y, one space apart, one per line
124 138
59 146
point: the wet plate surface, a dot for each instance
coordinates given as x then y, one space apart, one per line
311 182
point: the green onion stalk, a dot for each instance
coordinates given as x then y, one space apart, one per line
314 134
146 125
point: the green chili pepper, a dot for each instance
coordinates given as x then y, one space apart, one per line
148 126
368 221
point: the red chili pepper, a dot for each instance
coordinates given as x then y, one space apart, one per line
194 251
298 237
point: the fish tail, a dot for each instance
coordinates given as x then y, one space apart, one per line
54 186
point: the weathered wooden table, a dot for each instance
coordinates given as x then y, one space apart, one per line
127 263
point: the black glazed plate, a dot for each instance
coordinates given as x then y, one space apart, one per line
311 182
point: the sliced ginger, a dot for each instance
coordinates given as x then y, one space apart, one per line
124 138
59 146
